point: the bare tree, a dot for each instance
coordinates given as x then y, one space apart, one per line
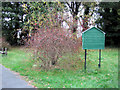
74 9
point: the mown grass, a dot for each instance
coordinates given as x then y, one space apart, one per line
106 77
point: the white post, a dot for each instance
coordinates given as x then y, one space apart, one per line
6 51
2 50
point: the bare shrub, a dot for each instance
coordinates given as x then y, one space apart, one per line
50 41
50 44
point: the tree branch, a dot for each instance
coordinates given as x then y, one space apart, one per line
68 4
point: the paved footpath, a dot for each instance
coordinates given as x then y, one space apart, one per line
11 80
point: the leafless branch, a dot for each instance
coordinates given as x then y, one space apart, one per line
68 4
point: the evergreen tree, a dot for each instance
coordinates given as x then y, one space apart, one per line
12 19
110 21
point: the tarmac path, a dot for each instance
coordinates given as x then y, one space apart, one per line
11 80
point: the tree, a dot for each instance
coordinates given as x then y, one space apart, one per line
12 19
49 40
75 9
74 6
110 21
37 13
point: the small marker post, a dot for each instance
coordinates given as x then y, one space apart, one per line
5 51
85 59
99 58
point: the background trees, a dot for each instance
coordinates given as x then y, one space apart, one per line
110 21
37 13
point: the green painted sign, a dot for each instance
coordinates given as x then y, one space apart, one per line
93 38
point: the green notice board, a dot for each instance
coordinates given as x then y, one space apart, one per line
93 38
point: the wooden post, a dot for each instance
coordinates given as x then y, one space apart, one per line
99 58
85 59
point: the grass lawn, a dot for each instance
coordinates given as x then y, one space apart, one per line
105 77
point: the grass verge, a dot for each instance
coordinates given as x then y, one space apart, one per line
105 77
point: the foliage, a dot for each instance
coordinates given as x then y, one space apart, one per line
38 13
12 19
105 77
88 13
110 21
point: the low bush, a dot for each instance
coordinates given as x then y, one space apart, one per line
50 44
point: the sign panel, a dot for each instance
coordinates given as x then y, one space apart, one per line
93 38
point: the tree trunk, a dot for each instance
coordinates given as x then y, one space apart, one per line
74 11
